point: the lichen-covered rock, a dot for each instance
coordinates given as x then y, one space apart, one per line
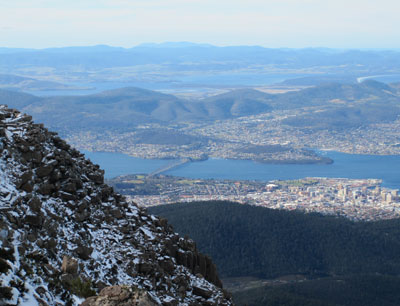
69 265
120 296
70 235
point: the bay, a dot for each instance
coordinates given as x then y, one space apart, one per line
177 84
115 164
386 168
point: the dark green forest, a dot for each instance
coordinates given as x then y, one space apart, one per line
347 290
337 257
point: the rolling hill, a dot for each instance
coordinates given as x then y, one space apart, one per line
335 105
241 102
19 83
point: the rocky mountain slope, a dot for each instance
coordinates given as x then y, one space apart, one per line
65 235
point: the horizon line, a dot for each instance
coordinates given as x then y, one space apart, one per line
186 44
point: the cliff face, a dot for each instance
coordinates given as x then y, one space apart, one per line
65 235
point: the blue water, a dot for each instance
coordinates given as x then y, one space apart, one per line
390 78
116 164
386 168
178 84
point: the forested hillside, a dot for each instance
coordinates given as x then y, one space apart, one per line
246 240
327 252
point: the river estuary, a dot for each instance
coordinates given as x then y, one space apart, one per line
386 168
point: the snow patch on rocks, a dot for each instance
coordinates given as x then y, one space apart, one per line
65 235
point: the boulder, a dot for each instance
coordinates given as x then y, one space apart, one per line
97 177
116 213
55 176
66 196
69 187
167 265
37 157
44 170
35 204
120 296
24 178
46 188
203 292
79 217
27 187
84 252
34 220
69 265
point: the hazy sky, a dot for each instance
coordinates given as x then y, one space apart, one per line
270 23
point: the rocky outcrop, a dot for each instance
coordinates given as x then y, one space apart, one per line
122 296
70 235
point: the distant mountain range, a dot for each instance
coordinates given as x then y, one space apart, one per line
336 106
184 65
19 83
175 52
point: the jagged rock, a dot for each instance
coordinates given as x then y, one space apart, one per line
44 170
170 301
84 252
34 220
24 178
181 258
82 206
116 213
79 217
35 204
106 191
202 264
51 244
32 237
46 188
66 196
171 248
204 292
50 270
60 143
38 257
145 268
55 207
27 187
55 176
167 265
97 177
69 187
69 265
34 156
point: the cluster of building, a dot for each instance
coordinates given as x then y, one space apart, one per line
379 138
356 199
214 148
225 138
